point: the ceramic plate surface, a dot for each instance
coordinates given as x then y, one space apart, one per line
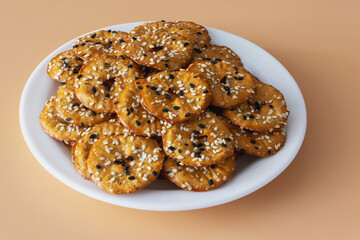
251 173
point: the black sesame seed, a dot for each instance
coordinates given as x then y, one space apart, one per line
108 88
171 148
256 147
244 117
257 106
134 38
176 107
62 83
226 88
181 93
197 50
271 106
75 46
187 115
93 136
228 139
148 121
122 57
206 91
106 64
211 182
192 85
179 151
116 102
68 119
131 158
252 141
212 166
269 151
201 125
93 36
137 123
166 65
82 44
165 110
223 145
139 87
228 93
196 132
82 124
75 71
107 95
122 41
130 66
93 113
131 178
152 87
238 78
79 76
252 116
171 76
154 173
214 62
98 166
167 96
98 43
117 162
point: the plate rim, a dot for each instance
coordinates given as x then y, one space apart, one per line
209 203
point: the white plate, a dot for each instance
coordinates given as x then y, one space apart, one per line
251 173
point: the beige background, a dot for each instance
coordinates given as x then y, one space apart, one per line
317 197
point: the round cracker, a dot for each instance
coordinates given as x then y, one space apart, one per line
120 164
175 97
94 87
230 85
64 66
265 111
133 115
56 127
199 179
201 142
82 146
72 110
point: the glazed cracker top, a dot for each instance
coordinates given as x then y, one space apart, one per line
160 101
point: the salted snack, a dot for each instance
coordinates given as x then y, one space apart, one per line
99 43
101 80
160 101
81 148
124 164
218 53
230 85
175 96
202 37
201 142
160 49
73 111
199 179
56 127
133 115
169 27
265 111
254 143
64 66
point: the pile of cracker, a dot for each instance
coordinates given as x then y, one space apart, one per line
163 102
